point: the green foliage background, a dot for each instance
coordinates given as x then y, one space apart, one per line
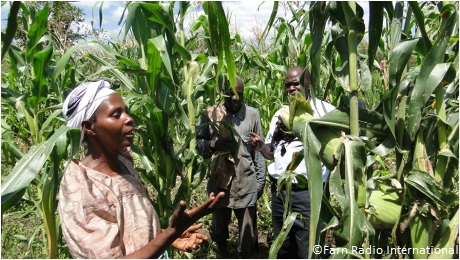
391 146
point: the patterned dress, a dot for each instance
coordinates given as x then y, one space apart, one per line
103 216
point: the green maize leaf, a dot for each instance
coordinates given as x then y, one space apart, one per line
124 60
155 66
11 27
432 71
100 13
142 32
12 147
426 83
399 57
396 26
184 9
354 164
22 111
371 123
447 153
317 20
165 97
253 88
285 180
48 206
201 169
160 44
271 20
226 44
12 199
427 185
54 116
125 80
213 30
375 29
61 146
158 15
36 31
131 7
18 60
147 166
220 39
287 225
129 63
63 61
419 17
28 167
384 148
184 53
40 64
315 182
446 244
281 30
338 200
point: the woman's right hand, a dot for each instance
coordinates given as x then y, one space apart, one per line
182 219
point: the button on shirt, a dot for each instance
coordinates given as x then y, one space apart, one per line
280 163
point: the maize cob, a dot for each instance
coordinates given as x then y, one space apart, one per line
384 209
331 145
296 114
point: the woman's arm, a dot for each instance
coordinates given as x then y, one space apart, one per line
181 220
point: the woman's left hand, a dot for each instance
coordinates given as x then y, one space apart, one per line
190 239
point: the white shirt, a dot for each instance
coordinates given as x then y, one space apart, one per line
275 169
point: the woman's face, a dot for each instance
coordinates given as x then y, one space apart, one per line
114 127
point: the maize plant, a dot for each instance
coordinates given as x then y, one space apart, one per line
416 124
32 140
412 132
155 94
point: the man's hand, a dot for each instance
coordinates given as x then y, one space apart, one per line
257 142
260 192
220 145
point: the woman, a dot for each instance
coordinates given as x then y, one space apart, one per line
104 209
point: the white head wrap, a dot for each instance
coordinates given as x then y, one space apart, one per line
83 101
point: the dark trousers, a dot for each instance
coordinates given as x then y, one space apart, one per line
247 228
296 243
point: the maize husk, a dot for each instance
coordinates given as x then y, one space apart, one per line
331 145
385 209
296 114
422 227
